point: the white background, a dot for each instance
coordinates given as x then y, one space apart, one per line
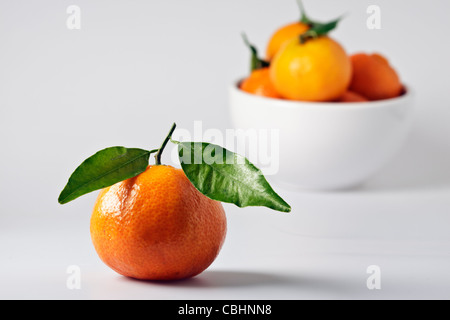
133 69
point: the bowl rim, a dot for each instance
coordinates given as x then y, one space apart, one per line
409 93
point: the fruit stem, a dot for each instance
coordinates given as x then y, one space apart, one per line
303 16
166 140
307 35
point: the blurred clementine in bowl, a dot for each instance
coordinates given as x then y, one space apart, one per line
259 83
350 96
317 70
374 78
283 35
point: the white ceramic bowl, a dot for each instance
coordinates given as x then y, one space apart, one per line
326 146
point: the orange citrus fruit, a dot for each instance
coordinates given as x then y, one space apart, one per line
259 83
374 78
282 36
316 70
350 96
157 226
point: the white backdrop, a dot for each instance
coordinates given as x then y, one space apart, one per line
134 68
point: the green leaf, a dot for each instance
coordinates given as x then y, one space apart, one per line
256 63
103 169
319 29
226 176
324 28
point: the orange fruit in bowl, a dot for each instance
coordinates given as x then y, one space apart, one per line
374 78
157 226
259 83
282 36
350 96
318 69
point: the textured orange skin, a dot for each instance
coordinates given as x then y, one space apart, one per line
157 226
259 83
374 78
283 35
350 96
318 70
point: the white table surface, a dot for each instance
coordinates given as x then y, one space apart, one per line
121 80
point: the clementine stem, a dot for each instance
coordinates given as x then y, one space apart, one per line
303 18
166 140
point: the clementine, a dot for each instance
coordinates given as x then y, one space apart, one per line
282 36
374 78
259 83
157 226
315 70
350 96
